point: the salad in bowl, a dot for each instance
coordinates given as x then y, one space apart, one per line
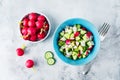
76 41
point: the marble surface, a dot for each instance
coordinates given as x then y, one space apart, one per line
107 62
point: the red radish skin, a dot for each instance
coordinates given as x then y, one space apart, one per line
29 63
32 16
90 48
68 41
76 34
26 37
20 51
41 35
83 29
41 18
79 55
87 53
24 31
46 27
33 38
31 23
88 34
39 24
25 22
31 31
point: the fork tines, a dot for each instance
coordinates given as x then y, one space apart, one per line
104 29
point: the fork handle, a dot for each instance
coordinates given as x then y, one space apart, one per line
87 68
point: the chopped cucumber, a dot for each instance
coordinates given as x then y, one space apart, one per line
51 61
67 36
63 39
62 50
61 43
49 54
83 31
78 26
74 29
74 55
62 33
83 55
83 43
77 38
85 48
90 43
80 48
79 43
85 38
68 30
72 36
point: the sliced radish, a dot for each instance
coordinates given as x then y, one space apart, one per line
68 41
88 34
76 34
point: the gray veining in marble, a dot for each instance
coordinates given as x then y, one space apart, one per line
12 67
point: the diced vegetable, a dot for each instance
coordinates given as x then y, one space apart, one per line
75 42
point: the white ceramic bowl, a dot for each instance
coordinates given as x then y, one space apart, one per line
47 32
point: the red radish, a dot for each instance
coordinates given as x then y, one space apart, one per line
83 29
41 35
29 63
25 22
68 41
46 27
24 31
26 37
31 31
87 53
31 23
76 34
33 38
79 55
34 27
39 24
32 16
90 48
41 18
20 51
88 34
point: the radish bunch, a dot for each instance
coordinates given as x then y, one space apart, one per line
34 27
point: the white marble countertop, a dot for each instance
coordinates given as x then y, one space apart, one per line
107 62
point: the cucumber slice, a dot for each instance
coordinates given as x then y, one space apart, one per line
51 61
49 54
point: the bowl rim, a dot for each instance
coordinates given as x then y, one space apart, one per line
40 13
80 61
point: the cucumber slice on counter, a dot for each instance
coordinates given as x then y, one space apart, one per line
49 54
51 61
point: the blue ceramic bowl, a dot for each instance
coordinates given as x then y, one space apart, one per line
90 27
